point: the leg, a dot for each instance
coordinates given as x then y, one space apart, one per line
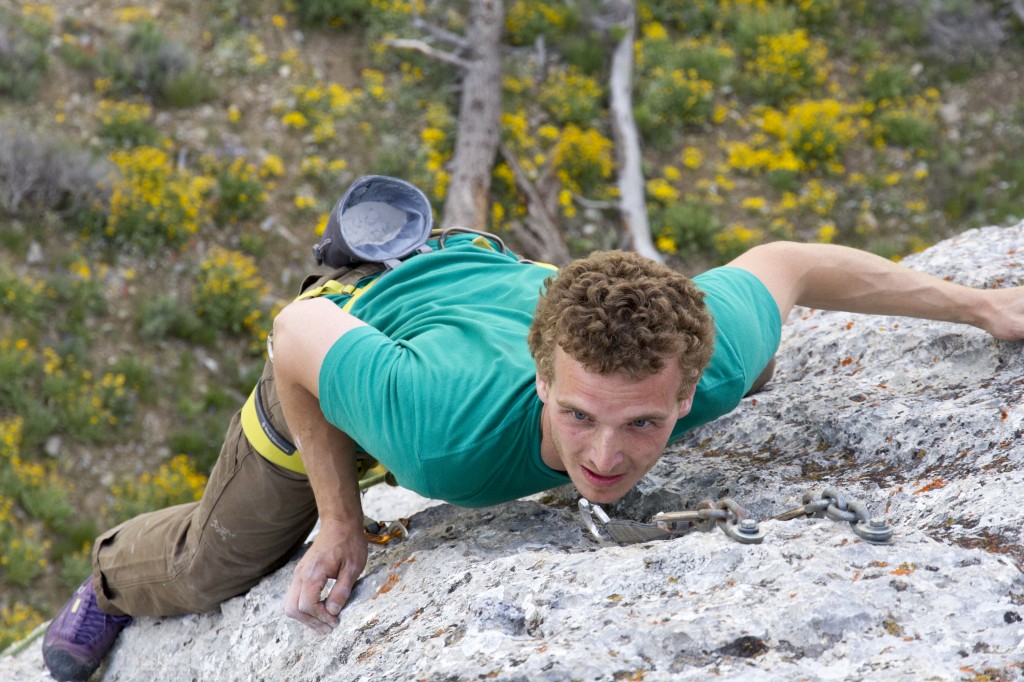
252 518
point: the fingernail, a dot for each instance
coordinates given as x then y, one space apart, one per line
333 609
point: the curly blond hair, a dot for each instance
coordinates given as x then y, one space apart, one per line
617 311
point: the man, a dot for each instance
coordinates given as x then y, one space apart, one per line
452 373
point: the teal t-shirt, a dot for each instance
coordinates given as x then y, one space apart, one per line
748 328
440 387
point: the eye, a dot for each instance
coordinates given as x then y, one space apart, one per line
577 415
641 423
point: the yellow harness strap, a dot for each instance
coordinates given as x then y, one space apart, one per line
255 431
260 433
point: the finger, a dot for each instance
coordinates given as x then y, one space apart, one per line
310 604
292 608
338 596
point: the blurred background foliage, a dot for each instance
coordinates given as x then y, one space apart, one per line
165 166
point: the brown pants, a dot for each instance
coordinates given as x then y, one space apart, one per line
253 517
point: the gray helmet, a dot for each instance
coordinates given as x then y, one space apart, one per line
379 219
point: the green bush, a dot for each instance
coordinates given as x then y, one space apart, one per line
175 482
691 226
572 97
887 81
339 13
229 291
753 25
23 58
151 65
907 129
526 20
126 124
238 191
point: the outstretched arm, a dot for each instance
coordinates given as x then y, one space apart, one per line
303 333
840 278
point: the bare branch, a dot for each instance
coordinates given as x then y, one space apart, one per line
429 50
453 39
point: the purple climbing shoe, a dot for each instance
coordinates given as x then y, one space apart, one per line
80 636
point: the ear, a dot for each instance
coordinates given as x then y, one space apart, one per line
542 389
687 404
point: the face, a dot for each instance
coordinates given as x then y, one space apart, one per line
607 431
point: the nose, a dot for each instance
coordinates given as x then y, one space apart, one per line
605 452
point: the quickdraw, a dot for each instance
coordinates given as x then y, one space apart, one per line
725 514
383 532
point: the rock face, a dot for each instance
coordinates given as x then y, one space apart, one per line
921 421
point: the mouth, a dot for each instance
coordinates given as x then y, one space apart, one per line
598 481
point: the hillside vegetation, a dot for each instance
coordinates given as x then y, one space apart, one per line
165 167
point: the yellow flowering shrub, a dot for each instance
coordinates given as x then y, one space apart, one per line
16 621
24 298
572 97
175 482
229 292
809 135
153 205
785 66
316 109
92 408
815 131
25 555
736 239
238 191
438 143
525 20
583 159
126 124
677 79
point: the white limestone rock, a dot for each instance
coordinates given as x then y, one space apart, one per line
922 421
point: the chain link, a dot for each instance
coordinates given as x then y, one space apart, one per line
830 503
733 520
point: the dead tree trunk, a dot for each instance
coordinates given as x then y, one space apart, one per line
477 55
476 146
627 141
539 236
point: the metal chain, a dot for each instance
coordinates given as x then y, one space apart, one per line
732 519
830 503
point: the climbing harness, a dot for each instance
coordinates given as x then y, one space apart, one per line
732 519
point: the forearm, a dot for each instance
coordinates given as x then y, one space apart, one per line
328 455
840 278
303 334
